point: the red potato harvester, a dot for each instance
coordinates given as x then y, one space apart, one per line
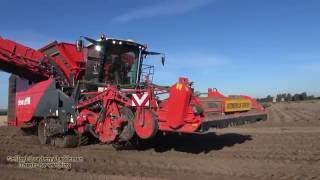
70 92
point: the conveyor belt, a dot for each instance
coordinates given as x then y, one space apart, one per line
22 61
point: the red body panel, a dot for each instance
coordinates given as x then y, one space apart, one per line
176 113
66 56
177 104
28 99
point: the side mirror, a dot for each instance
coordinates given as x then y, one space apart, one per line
163 59
80 45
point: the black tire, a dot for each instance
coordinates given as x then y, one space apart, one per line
127 132
43 139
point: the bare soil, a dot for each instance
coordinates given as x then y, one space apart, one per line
3 120
287 146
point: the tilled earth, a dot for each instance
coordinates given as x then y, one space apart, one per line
287 146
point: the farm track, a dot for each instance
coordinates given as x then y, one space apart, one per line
284 147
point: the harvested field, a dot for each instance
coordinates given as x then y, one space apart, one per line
3 120
286 146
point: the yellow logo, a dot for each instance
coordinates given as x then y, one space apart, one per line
179 86
237 104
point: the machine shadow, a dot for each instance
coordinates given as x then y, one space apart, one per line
194 143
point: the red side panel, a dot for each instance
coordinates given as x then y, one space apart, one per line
70 52
27 99
70 59
66 56
179 112
178 103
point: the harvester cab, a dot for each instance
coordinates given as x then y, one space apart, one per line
115 61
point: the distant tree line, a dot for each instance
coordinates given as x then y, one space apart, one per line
286 97
3 112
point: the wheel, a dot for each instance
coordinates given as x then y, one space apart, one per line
145 124
42 133
128 130
119 130
127 137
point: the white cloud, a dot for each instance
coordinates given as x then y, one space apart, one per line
166 8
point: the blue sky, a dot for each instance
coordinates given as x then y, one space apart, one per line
255 47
